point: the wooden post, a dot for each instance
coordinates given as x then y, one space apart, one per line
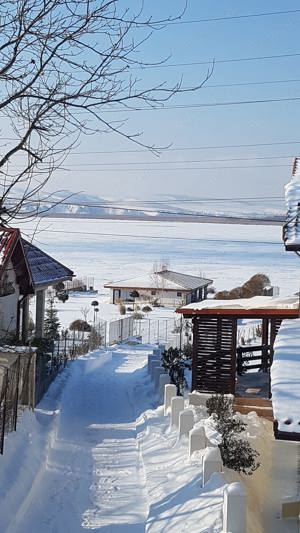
239 362
195 354
25 319
265 344
40 313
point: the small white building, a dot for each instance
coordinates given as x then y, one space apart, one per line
165 287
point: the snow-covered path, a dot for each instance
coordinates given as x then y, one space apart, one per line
98 454
93 476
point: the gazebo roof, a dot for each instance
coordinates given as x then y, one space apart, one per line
257 306
44 269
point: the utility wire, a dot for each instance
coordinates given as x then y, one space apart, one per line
123 208
110 204
234 17
66 169
248 83
193 106
157 237
181 162
184 148
215 61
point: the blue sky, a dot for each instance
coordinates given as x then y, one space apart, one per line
188 172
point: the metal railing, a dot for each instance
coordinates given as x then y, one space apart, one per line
17 385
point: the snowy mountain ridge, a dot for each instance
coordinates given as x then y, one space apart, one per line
69 204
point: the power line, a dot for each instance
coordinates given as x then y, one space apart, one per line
182 162
111 204
215 61
168 169
95 110
157 237
235 17
118 207
187 148
184 148
195 106
248 83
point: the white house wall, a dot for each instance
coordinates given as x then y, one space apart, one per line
168 298
9 305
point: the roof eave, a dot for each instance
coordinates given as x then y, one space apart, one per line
40 286
292 247
285 435
163 289
259 312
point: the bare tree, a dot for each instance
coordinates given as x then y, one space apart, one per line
62 64
159 281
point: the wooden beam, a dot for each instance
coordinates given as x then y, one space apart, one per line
240 313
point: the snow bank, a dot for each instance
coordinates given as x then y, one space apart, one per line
285 377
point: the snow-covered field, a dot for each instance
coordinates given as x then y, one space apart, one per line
113 249
97 454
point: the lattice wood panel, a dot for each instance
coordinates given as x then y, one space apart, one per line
214 354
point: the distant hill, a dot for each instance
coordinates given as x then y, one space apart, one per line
168 207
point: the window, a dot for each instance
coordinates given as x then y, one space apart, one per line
179 294
153 293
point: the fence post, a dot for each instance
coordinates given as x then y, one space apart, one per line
65 347
212 463
170 392
239 362
17 394
186 421
149 322
73 349
180 334
234 509
177 405
158 332
4 413
58 350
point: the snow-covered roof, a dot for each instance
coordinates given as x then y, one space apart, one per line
256 302
44 269
285 377
166 279
291 229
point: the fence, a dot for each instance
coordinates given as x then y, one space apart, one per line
53 355
247 361
17 383
174 332
120 330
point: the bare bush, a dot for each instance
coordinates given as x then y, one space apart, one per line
255 286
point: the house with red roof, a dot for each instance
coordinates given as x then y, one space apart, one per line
15 282
25 271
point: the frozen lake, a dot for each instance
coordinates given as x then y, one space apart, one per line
120 249
114 249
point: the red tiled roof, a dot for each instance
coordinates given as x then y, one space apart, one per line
8 240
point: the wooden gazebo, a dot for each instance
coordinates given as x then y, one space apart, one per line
215 322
